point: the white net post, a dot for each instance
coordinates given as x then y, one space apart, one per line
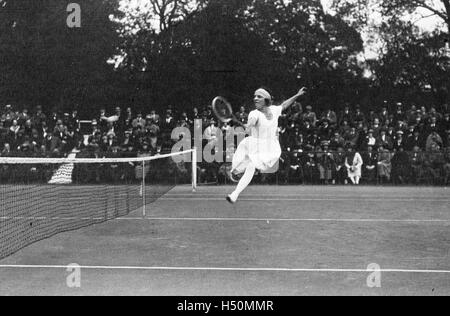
144 211
194 170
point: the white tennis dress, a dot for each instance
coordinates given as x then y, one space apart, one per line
262 147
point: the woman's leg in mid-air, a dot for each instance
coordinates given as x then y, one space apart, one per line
243 183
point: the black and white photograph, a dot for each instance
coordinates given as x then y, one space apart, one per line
246 150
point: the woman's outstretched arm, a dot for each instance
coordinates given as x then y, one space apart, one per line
288 103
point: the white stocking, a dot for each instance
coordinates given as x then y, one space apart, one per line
244 182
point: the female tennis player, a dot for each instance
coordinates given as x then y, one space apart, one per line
261 150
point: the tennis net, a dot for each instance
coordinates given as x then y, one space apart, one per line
43 197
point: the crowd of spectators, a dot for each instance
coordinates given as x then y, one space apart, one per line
398 143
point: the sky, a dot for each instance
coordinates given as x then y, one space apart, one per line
427 24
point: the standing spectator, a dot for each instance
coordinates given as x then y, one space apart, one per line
370 160
384 166
447 139
310 116
326 164
444 125
400 166
433 164
447 166
339 160
310 169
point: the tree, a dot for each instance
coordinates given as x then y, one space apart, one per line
230 47
410 61
413 66
43 61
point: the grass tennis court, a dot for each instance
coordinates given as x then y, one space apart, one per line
276 241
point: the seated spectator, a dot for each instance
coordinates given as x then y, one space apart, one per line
212 132
384 114
351 138
331 116
399 114
325 130
399 141
359 117
433 140
346 115
384 140
307 129
369 141
242 115
312 141
376 127
353 163
344 128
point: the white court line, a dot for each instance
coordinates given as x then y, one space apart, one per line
299 194
137 268
354 199
231 219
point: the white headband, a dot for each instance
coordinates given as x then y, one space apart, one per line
263 93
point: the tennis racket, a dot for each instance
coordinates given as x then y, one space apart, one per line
223 111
